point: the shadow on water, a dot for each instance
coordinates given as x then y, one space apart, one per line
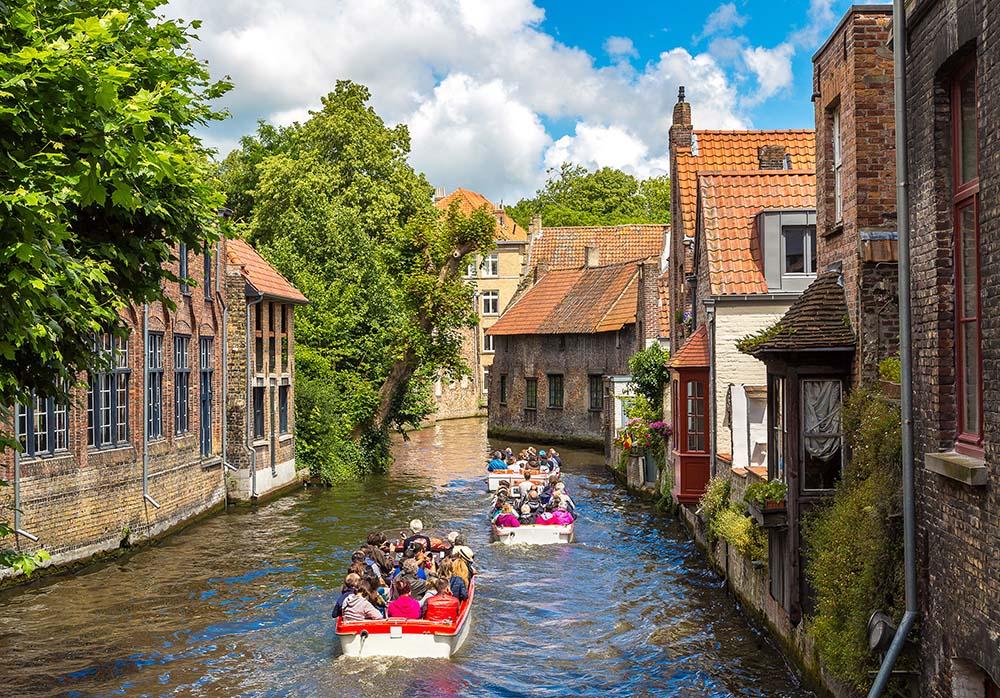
240 603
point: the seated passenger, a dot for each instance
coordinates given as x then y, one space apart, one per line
497 462
352 606
377 553
526 518
411 574
507 519
462 558
417 536
458 587
525 485
442 607
561 514
375 595
555 458
405 606
560 491
546 494
512 465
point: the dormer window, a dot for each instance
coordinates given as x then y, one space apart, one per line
798 249
787 242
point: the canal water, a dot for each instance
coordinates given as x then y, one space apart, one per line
240 604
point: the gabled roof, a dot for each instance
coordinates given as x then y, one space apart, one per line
735 150
565 247
575 301
730 202
817 319
469 201
694 353
260 275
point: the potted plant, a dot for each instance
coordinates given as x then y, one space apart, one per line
766 502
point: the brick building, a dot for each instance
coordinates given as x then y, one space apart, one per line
560 340
139 448
260 390
495 276
952 108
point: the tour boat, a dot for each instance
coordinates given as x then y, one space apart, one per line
495 477
534 534
402 637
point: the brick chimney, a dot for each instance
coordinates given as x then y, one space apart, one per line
681 128
771 157
592 256
535 227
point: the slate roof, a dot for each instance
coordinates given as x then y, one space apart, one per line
469 201
575 301
565 247
730 202
260 275
818 319
694 353
735 150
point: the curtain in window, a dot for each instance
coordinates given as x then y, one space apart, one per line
821 400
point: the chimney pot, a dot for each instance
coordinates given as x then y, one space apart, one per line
535 227
592 256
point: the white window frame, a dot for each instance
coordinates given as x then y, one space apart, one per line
489 343
490 266
838 162
491 302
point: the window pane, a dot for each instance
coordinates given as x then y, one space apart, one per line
105 411
968 137
121 405
811 234
90 411
821 432
971 387
970 256
795 261
41 426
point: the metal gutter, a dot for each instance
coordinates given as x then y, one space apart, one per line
905 355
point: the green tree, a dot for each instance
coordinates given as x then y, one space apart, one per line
100 176
572 195
650 375
335 206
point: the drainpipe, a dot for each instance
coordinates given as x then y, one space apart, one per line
248 445
145 407
905 354
710 398
18 531
220 270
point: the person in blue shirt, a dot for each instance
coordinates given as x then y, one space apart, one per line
496 462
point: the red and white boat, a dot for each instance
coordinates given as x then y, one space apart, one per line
534 534
402 637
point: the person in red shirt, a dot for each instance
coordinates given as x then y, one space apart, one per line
442 607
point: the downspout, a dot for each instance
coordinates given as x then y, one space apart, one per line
220 270
905 355
145 407
248 445
710 315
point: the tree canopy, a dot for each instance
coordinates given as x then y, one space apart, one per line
100 176
335 206
572 195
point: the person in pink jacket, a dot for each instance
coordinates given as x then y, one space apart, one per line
405 606
507 519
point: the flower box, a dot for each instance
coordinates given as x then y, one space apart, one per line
771 515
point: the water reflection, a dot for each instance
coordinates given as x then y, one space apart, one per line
239 604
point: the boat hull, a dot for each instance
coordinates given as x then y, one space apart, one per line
414 639
534 535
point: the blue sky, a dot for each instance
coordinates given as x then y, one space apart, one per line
496 92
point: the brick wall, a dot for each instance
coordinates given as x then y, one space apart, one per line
86 500
958 524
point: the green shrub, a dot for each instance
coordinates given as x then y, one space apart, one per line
855 559
891 369
649 376
762 492
732 525
715 499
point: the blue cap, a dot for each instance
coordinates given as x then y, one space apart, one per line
541 453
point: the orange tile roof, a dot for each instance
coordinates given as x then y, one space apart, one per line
694 353
261 275
730 201
663 286
561 248
735 150
575 301
469 201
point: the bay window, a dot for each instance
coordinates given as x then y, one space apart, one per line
822 433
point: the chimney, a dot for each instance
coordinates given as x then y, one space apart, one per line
535 227
771 157
439 193
592 256
681 128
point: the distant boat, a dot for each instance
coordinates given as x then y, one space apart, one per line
534 534
402 637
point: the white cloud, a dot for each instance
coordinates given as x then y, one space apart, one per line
476 82
620 47
723 19
772 68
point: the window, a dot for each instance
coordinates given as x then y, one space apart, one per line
42 426
696 416
822 436
470 270
258 350
488 346
283 409
107 395
286 364
555 390
272 354
258 316
258 412
491 302
486 380
838 195
182 261
270 317
530 393
205 385
491 265
675 412
776 394
596 384
182 384
799 249
968 308
207 272
503 388
154 387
